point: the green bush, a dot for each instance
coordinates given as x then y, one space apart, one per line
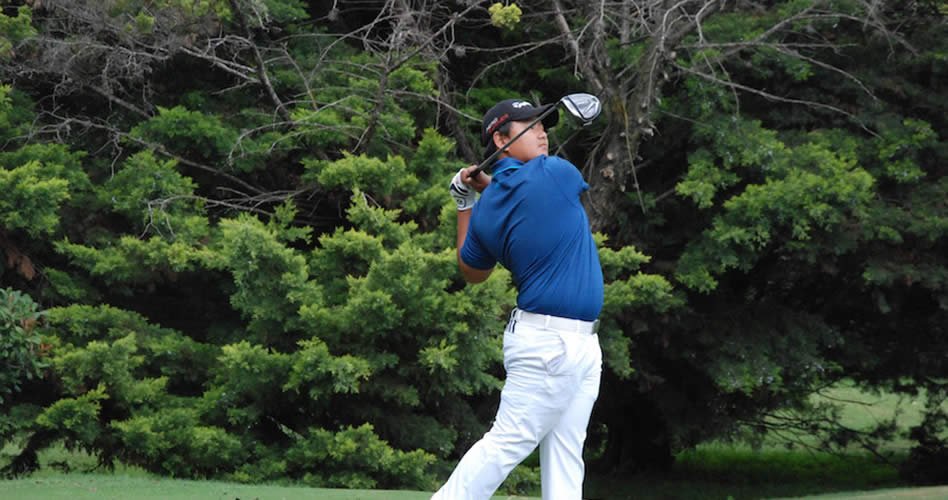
22 354
174 442
356 458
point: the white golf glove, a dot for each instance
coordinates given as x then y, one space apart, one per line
464 195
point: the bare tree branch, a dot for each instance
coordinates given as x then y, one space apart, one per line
121 102
261 66
65 123
579 57
773 97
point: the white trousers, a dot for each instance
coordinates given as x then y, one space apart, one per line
552 383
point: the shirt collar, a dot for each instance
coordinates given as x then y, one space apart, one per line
505 164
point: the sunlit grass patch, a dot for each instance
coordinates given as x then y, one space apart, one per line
741 464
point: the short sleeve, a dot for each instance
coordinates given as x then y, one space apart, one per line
568 175
473 252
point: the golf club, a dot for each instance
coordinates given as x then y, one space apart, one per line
584 107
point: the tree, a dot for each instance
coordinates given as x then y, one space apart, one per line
238 207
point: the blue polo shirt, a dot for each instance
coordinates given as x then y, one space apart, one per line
530 220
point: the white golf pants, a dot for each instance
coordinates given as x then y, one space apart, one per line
552 383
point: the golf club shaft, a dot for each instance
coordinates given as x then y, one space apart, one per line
490 159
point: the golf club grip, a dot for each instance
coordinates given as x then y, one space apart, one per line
478 170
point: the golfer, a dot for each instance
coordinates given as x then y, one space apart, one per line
529 219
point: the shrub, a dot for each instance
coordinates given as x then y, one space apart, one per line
22 354
356 458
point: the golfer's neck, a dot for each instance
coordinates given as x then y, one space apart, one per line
504 155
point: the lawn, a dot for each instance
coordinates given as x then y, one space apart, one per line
930 493
125 486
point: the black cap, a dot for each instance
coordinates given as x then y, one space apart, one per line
510 110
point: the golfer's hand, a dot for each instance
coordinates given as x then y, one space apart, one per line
464 195
479 182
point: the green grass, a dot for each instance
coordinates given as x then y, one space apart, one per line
930 493
78 486
861 410
75 486
115 486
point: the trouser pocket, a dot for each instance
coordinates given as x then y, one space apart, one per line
555 355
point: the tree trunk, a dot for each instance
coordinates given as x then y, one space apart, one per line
606 175
636 434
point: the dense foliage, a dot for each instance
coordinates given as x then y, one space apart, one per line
230 250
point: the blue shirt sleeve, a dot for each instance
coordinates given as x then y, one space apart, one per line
570 176
473 252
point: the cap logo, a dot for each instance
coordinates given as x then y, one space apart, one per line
520 104
496 121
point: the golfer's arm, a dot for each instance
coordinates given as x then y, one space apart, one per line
470 274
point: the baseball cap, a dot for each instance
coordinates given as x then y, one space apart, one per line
511 110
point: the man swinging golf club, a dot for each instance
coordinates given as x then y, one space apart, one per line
529 219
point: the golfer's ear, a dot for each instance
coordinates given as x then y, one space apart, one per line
499 140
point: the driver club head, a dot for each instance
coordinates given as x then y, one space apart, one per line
585 107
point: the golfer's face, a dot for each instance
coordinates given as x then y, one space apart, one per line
532 144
